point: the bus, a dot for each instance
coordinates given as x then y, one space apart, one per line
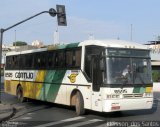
98 75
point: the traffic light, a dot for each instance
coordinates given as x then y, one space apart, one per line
52 12
61 15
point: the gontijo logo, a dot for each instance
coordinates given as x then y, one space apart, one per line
72 78
8 74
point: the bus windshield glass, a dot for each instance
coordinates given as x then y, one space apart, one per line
124 66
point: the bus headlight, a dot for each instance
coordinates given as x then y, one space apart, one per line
112 96
147 95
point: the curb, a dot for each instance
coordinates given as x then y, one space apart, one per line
9 116
6 110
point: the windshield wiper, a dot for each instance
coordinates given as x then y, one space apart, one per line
140 77
143 83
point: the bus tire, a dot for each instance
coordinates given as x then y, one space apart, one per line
20 94
79 104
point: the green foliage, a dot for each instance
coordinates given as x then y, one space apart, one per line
2 72
156 76
19 43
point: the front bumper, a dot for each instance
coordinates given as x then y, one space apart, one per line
127 104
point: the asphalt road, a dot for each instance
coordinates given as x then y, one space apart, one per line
42 114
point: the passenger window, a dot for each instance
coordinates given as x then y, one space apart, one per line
51 59
78 58
60 59
69 55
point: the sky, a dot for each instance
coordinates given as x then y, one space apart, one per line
104 19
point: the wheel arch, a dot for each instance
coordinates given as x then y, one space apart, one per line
73 96
19 85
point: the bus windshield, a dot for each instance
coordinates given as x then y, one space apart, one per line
128 69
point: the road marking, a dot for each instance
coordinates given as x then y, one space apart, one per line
61 121
84 123
13 124
102 125
26 118
30 113
21 123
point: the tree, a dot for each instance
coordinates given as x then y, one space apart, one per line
19 43
156 76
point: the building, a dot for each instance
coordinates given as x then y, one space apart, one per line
37 44
155 52
155 59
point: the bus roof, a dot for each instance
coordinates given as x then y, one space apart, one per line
114 43
105 43
50 47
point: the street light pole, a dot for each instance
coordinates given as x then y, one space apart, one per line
61 17
131 32
1 39
25 20
15 40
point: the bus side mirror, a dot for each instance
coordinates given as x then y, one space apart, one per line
102 66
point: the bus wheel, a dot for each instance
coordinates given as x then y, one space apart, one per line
79 104
20 94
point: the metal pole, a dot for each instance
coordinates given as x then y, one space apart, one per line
15 40
25 20
52 12
1 39
131 32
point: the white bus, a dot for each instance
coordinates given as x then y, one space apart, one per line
104 76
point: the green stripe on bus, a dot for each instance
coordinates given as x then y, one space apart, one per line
139 90
72 45
64 46
50 91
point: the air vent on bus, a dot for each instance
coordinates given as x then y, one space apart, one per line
132 95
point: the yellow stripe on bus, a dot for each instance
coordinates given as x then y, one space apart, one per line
11 86
39 78
148 89
31 89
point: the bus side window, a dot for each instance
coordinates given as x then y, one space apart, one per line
13 62
37 60
60 59
73 58
78 58
16 58
9 62
22 61
43 60
29 61
69 58
51 60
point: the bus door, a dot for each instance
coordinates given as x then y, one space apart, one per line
97 81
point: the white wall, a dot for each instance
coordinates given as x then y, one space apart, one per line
156 86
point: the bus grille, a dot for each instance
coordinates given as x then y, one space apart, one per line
133 95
